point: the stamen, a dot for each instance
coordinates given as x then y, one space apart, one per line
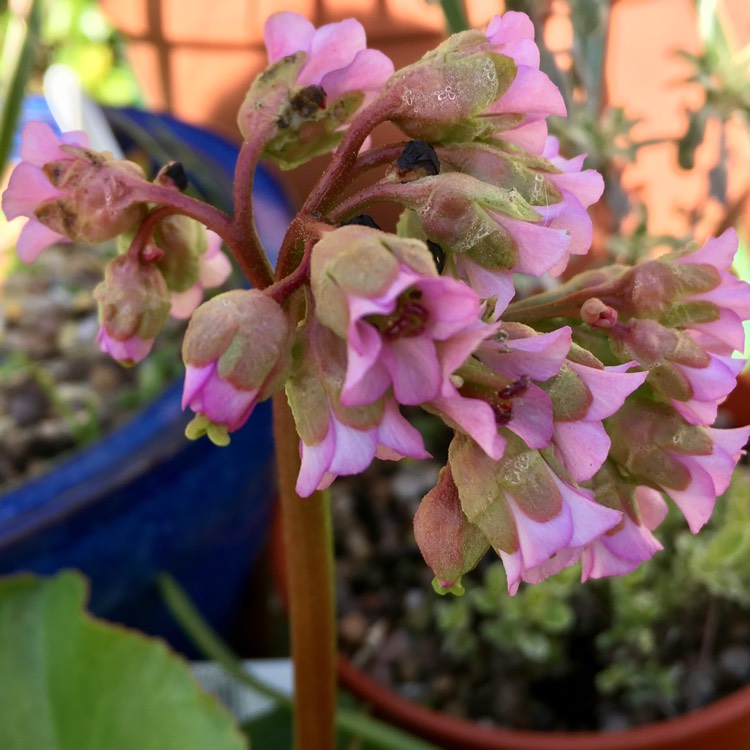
409 319
515 389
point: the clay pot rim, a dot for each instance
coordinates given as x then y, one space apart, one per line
470 735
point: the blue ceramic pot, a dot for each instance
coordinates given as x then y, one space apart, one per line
145 499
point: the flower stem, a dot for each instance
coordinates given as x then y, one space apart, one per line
338 173
378 193
308 546
566 300
252 260
243 220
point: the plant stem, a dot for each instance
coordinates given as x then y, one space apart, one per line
308 546
252 260
338 172
378 193
244 217
565 301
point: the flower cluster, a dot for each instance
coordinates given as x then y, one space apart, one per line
574 411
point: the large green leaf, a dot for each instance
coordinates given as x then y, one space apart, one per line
71 682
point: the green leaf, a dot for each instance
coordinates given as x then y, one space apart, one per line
71 682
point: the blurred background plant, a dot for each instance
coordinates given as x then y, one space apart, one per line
35 34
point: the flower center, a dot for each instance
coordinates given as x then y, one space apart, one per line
409 319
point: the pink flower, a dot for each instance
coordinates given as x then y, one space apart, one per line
526 358
526 512
531 92
725 333
133 306
565 227
708 474
694 379
69 192
30 188
547 546
556 226
346 450
579 189
404 337
336 439
221 402
579 438
691 464
337 56
622 549
237 352
126 352
406 327
214 269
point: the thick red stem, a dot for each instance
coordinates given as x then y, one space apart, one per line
308 545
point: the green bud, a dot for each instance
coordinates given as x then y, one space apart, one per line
247 333
443 95
449 543
133 299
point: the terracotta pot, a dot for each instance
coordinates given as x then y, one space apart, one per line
723 724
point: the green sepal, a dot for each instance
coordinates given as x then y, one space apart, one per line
684 314
269 94
183 241
570 397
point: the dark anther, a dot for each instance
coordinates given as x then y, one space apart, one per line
362 220
308 101
438 255
515 389
174 172
503 412
418 159
410 319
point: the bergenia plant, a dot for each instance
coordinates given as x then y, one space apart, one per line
576 410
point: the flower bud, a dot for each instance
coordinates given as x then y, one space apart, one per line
449 544
491 231
478 85
691 290
237 352
133 306
694 379
443 95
